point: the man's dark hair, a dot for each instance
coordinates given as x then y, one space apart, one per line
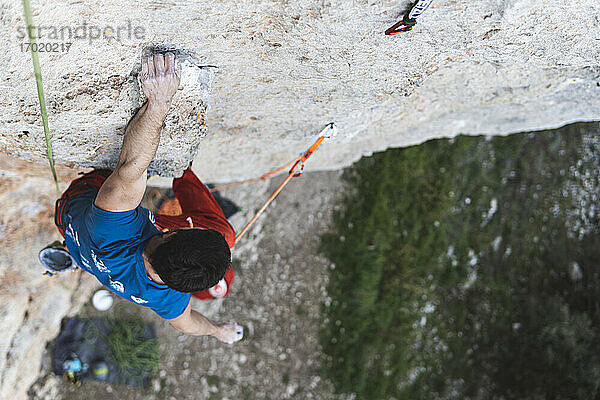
192 259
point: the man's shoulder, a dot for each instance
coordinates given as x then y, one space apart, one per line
125 226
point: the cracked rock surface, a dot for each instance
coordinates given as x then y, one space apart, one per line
281 70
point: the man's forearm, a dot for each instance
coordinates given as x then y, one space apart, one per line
193 323
159 80
124 188
199 325
141 139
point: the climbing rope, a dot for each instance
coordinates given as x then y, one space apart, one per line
329 131
410 18
40 90
260 178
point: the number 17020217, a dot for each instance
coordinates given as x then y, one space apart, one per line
46 47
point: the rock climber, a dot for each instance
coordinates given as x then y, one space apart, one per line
156 261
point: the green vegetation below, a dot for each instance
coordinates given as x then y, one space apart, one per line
468 269
127 341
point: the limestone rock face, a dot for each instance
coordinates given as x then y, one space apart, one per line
31 304
260 79
281 70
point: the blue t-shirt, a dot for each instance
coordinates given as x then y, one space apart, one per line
109 245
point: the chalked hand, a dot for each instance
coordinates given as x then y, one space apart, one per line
230 333
160 78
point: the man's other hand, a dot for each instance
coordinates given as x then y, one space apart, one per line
229 333
160 78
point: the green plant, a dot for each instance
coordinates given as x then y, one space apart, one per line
124 334
129 349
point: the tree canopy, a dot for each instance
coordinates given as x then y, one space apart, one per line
468 268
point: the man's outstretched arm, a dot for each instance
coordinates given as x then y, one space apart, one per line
124 188
193 323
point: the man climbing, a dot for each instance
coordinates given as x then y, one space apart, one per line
154 262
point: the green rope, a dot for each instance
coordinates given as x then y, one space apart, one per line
38 79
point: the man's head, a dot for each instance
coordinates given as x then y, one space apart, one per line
191 260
